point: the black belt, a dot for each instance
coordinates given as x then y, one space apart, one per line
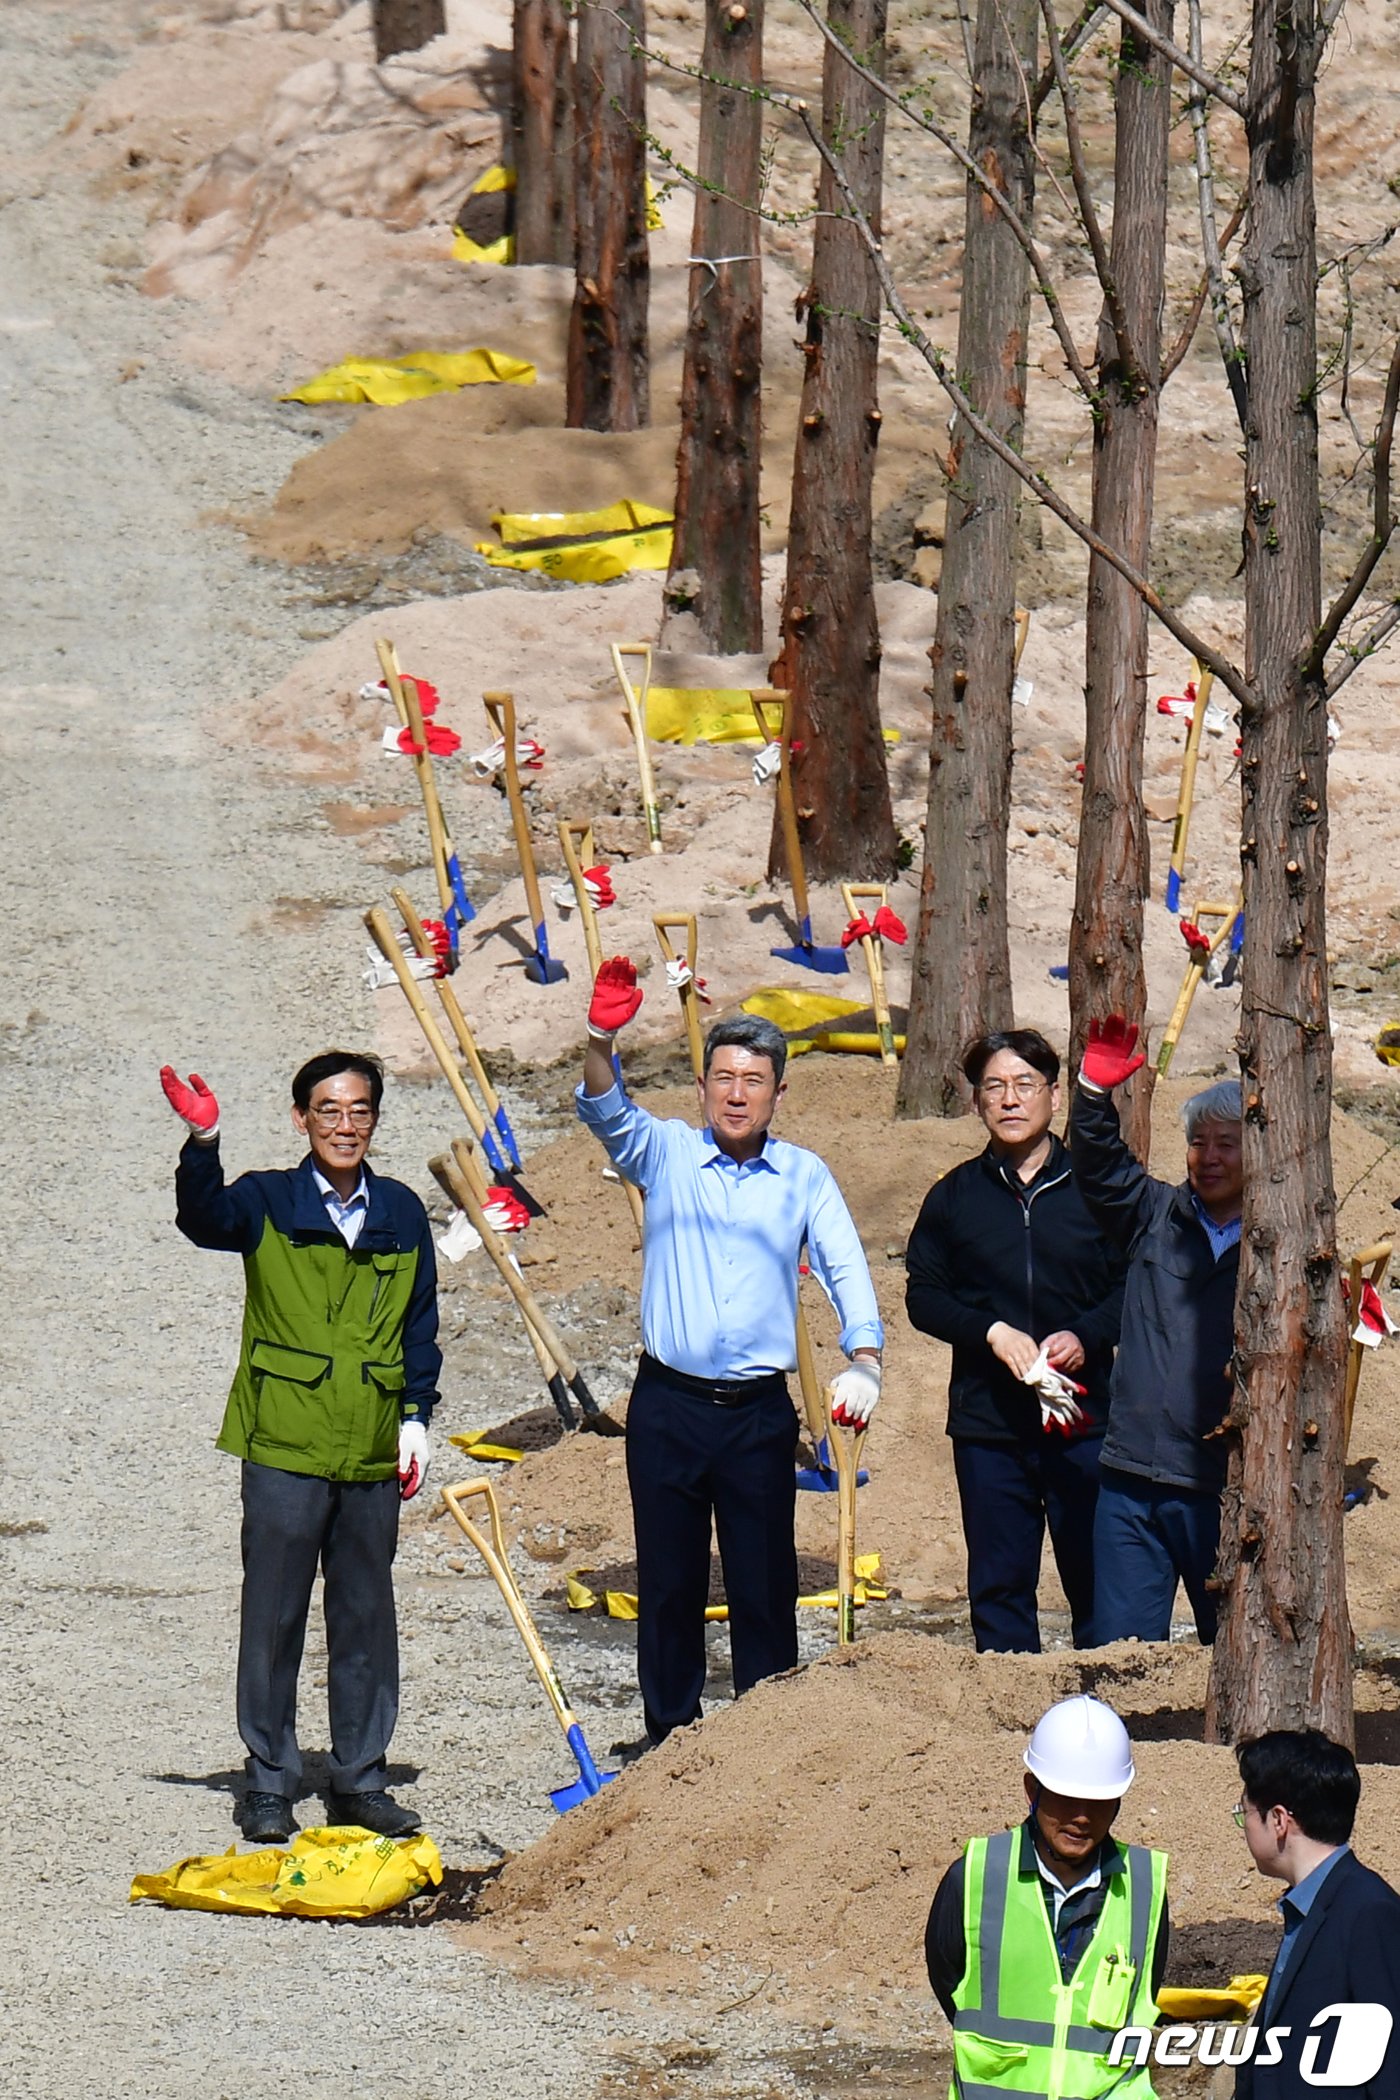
724 1392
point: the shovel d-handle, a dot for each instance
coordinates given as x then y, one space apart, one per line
636 704
1023 628
853 894
1369 1266
846 1448
814 1414
667 923
382 935
404 694
576 844
493 1552
764 702
1227 915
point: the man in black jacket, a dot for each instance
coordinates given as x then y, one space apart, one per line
1333 1995
1006 1264
1158 1518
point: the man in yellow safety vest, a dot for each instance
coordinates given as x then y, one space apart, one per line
1046 1940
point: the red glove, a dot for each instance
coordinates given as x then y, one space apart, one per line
1196 941
428 701
889 927
442 741
600 889
1108 1055
194 1103
859 927
616 997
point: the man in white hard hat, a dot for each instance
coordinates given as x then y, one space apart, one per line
1034 2011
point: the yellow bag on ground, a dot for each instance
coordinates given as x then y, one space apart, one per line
589 561
475 1441
464 248
386 381
794 1010
1236 2002
515 526
692 715
328 1873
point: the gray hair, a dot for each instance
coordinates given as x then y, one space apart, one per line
748 1032
1218 1104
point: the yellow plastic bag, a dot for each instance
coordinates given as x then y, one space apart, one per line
621 1604
464 248
475 1441
515 526
386 381
692 715
328 1873
1237 2002
794 1010
590 561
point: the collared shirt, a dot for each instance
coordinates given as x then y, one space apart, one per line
1222 1237
722 1240
1295 1907
348 1213
1058 1894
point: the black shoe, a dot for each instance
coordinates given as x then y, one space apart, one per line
378 1812
628 1753
266 1819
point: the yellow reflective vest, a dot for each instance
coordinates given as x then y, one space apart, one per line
1018 2026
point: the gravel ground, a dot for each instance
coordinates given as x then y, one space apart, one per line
140 860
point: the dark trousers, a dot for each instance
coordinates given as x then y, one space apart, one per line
686 1458
1009 1492
291 1523
1146 1538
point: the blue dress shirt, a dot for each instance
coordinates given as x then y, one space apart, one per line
346 1213
1222 1237
1295 1907
721 1243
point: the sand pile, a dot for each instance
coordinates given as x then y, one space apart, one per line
789 1845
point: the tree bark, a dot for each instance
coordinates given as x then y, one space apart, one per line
542 124
830 654
608 386
961 962
715 569
406 25
1113 868
1283 1654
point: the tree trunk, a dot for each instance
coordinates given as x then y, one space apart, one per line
608 385
542 123
961 963
406 25
715 560
1283 1654
830 656
1113 870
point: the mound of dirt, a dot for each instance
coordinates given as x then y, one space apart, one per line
788 1846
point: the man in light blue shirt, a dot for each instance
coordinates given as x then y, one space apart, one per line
711 1428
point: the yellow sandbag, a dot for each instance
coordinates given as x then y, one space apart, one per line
464 248
691 715
625 516
845 1039
794 1010
386 381
593 561
475 1441
1236 2002
621 1604
328 1873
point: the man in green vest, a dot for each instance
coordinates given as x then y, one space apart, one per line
336 1379
1046 1940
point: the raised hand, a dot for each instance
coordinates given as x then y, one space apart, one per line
1109 1057
192 1101
616 996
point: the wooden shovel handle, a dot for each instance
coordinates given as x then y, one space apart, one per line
404 694
851 893
665 922
1186 794
846 1448
500 712
473 1175
498 1563
490 1239
636 704
761 701
576 843
383 937
461 1028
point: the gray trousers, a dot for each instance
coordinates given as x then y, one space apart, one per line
292 1522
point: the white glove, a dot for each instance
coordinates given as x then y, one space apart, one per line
766 763
414 1454
1059 1408
854 1393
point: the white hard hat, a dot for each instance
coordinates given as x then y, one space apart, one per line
1080 1748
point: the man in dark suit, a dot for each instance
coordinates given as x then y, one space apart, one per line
1333 1995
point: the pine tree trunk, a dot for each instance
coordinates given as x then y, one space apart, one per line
1283 1654
542 121
715 569
1113 871
608 384
961 964
406 25
830 656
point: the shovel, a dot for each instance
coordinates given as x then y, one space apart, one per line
542 968
637 721
493 1551
875 964
495 1107
847 1446
830 961
457 910
580 852
1228 915
820 1478
665 923
1176 870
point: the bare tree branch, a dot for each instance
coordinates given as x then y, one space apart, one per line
1382 523
1210 246
1083 377
968 53
1182 60
1358 652
1206 655
1194 311
1071 44
1098 247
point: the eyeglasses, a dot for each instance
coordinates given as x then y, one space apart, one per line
328 1115
1025 1088
1238 1814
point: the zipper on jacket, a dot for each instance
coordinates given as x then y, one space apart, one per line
1025 1200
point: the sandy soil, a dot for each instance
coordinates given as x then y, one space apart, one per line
201 813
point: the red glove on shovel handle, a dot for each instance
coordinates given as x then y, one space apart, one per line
616 996
192 1101
1109 1057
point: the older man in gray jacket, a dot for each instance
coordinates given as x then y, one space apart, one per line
1158 1514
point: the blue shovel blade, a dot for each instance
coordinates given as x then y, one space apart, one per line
822 1478
1173 890
590 1780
